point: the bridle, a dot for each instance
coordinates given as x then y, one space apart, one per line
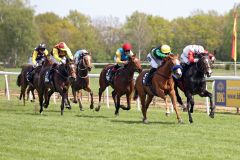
82 66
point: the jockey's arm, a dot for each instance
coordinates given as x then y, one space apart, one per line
118 58
46 54
34 57
55 54
160 54
69 54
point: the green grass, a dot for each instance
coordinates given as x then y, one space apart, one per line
25 134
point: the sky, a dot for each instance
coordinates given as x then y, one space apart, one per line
168 9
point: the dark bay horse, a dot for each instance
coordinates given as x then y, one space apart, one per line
82 82
193 82
162 84
24 84
62 76
123 83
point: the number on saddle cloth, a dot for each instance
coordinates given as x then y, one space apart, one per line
144 80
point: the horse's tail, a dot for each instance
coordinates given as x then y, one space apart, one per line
135 94
19 80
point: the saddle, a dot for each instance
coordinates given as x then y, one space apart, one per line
111 73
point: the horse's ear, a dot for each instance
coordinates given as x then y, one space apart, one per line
215 52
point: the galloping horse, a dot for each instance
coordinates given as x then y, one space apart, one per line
123 83
162 84
24 84
193 82
82 82
62 76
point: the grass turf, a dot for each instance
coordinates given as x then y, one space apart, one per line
25 134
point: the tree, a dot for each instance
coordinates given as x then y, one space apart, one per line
138 31
17 31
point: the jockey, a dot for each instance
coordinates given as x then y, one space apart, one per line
38 56
155 58
59 54
78 54
190 55
121 58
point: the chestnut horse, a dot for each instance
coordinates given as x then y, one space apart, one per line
82 82
193 82
162 84
123 83
62 76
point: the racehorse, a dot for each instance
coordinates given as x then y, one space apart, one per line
193 82
62 76
122 83
84 65
162 84
24 84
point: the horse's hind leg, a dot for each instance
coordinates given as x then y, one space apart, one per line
23 90
32 91
114 97
144 108
74 95
62 105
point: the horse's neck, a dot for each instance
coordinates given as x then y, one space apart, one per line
62 70
128 71
82 71
165 69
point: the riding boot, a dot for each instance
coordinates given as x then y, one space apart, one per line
30 75
113 71
149 76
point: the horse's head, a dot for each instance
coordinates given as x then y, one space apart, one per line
85 62
174 63
204 65
135 63
70 67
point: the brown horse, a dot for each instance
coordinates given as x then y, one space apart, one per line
123 83
162 84
24 84
62 76
82 82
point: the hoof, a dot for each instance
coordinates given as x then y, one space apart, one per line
145 121
97 109
74 101
68 107
211 115
45 105
91 106
167 114
180 121
190 120
32 100
81 109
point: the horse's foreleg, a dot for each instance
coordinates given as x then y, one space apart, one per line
167 107
212 106
40 96
192 104
101 90
144 108
23 90
114 97
79 101
74 95
118 105
88 89
179 99
189 98
47 98
28 91
128 95
32 91
174 103
62 104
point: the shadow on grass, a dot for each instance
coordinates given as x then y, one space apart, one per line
89 116
32 114
140 122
